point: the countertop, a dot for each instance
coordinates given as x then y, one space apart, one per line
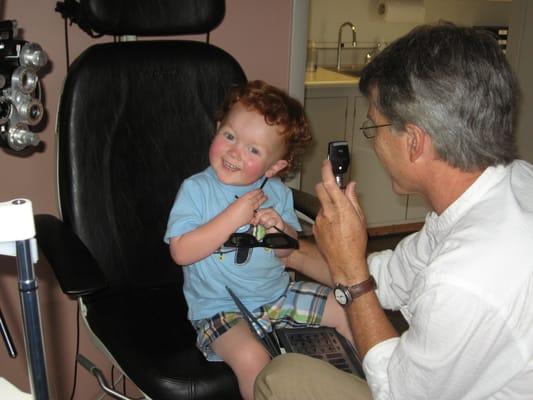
325 78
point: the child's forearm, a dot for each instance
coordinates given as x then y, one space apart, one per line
309 261
201 242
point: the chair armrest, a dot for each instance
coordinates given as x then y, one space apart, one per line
75 268
306 203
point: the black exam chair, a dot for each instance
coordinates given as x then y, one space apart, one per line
135 119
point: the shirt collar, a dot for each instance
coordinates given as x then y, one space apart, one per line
488 179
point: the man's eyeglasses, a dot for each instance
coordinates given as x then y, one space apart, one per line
278 240
370 130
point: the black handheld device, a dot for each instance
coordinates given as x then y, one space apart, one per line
339 156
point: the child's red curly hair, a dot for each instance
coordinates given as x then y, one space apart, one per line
280 110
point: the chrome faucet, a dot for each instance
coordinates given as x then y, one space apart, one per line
339 41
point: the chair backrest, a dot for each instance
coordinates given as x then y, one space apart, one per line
135 119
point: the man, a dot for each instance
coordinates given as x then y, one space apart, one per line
442 108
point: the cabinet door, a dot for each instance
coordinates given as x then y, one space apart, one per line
417 208
380 204
327 116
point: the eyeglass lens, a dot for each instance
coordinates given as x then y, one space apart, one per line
368 129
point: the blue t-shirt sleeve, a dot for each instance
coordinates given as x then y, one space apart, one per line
186 213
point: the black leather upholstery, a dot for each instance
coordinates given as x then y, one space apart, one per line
134 120
306 203
143 17
64 250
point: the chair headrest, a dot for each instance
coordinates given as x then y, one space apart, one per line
145 17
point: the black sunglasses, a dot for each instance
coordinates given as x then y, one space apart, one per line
271 240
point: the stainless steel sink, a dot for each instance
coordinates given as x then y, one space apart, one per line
351 70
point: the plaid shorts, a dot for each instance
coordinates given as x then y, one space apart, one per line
302 305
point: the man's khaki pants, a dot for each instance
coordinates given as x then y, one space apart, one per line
297 377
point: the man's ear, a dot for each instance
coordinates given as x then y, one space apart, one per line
416 141
276 167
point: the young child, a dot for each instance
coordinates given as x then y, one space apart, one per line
261 132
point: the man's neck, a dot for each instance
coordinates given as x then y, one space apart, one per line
447 184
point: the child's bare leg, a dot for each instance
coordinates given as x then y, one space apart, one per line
335 317
244 354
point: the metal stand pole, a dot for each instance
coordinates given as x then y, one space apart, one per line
32 322
17 238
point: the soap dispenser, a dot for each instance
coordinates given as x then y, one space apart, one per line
312 56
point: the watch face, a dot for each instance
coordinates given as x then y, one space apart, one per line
340 296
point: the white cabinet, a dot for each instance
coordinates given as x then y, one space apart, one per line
336 113
417 208
327 110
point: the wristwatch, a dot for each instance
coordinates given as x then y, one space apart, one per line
346 294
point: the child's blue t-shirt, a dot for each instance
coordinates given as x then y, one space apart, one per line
259 281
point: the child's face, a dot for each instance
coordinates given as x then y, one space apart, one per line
245 148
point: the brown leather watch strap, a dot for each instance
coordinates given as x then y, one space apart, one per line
362 287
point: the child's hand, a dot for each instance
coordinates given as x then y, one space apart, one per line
242 210
268 217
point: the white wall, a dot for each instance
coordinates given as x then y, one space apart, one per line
326 17
521 58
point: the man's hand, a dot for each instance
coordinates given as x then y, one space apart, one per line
340 229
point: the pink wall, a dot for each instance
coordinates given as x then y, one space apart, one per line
256 32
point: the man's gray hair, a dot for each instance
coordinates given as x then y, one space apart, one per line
456 84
